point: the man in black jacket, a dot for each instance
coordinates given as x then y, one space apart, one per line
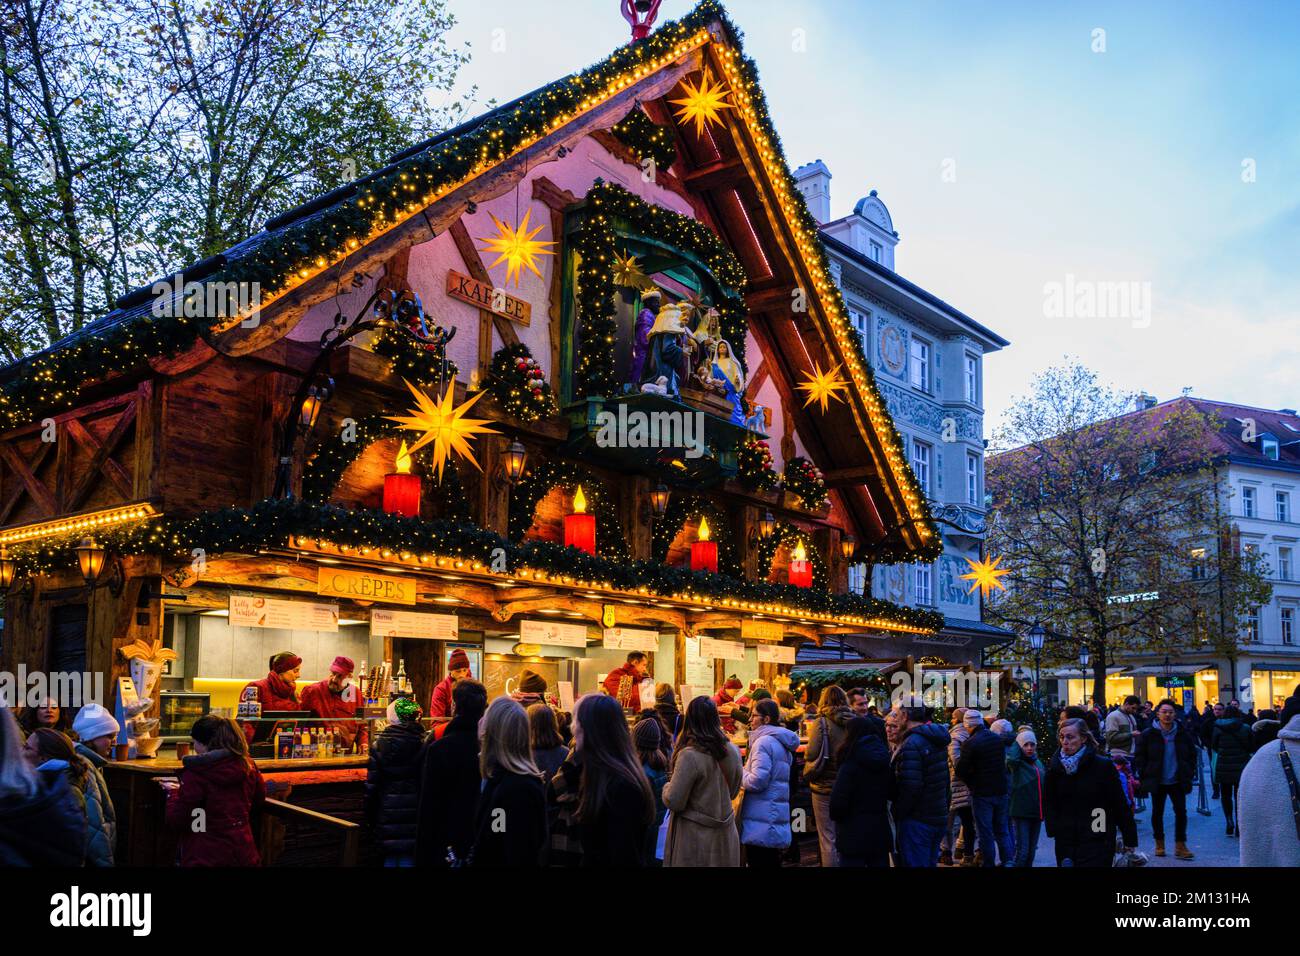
920 785
450 781
1165 762
983 768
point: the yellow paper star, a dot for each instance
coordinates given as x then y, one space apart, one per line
824 386
444 425
984 575
702 104
516 248
628 272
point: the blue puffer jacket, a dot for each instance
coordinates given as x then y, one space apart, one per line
765 813
920 785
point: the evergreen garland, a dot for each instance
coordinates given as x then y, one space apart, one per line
754 465
518 383
805 482
788 534
332 457
596 244
422 364
684 508
558 473
646 139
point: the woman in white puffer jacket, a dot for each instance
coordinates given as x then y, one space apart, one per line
765 810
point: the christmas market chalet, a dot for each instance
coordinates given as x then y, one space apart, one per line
568 380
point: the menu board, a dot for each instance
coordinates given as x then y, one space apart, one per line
631 639
726 650
385 622
251 610
775 654
699 670
553 633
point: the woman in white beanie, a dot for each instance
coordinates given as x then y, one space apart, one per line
97 731
1026 803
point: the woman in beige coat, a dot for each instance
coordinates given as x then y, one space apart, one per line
704 778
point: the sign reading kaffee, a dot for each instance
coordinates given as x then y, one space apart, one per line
487 297
363 586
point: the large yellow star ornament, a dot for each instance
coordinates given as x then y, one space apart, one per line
823 386
444 426
628 272
702 104
984 575
517 248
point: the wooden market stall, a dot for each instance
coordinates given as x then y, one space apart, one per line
570 379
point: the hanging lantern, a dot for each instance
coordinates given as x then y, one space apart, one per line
90 557
766 525
800 567
704 553
848 545
7 568
659 500
515 460
401 488
317 396
580 527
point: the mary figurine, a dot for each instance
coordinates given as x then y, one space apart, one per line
726 368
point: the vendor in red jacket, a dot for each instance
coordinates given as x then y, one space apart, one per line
624 683
440 707
278 690
335 697
725 700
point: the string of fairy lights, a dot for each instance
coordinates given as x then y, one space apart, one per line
299 252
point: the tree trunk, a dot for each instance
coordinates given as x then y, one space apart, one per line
1098 676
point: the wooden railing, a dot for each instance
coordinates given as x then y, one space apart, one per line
294 836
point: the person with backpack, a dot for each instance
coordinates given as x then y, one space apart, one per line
1268 805
220 781
1231 742
820 764
1121 729
983 768
392 800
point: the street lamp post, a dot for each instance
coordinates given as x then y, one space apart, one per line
1037 637
1084 657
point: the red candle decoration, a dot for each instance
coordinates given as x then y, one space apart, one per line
704 553
401 488
800 567
580 527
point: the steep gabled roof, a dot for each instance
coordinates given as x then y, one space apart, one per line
736 170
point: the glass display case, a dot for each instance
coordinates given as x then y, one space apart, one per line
177 712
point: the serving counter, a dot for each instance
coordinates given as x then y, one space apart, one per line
314 810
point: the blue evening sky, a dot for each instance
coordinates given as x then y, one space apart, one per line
1116 166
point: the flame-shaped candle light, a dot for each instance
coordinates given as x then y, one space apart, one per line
800 567
580 527
401 488
704 552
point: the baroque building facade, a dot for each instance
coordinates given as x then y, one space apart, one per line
928 358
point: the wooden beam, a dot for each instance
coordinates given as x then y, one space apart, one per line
39 493
487 320
723 174
101 459
838 477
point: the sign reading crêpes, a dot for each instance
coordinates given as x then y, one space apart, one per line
494 300
251 610
365 586
430 627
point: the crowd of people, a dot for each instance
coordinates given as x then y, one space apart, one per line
717 782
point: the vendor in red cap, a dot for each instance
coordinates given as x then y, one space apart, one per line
725 699
335 697
278 690
457 670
